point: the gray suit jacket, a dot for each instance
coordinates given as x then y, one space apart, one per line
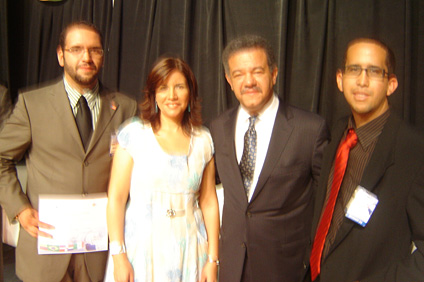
42 129
272 229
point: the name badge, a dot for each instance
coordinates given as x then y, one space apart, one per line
361 206
113 144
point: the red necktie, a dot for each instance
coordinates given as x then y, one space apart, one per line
339 170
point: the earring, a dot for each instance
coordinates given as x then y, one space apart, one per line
156 107
188 109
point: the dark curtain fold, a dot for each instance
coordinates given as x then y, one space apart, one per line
4 36
142 31
415 68
309 37
34 29
351 19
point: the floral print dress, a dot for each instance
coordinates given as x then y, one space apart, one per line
165 234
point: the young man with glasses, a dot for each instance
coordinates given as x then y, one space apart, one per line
63 155
368 222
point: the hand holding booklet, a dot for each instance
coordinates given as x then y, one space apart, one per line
79 223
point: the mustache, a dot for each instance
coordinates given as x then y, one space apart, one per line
92 65
356 91
256 88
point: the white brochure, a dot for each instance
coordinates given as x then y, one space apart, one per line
79 223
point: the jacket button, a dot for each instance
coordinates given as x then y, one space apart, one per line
243 245
249 214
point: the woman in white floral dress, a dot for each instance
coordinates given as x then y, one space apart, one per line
162 212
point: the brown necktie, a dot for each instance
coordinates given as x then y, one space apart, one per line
84 121
340 164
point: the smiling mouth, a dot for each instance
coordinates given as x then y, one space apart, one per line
360 96
87 68
172 105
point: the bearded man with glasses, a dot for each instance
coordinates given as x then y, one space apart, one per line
64 132
368 220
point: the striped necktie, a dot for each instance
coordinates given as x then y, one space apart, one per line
340 164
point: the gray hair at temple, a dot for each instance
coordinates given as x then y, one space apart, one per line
244 42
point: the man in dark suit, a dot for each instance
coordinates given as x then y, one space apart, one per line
375 231
43 129
268 157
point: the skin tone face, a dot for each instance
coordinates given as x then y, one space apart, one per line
81 70
366 97
172 96
251 79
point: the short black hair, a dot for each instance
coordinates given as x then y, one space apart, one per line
390 56
79 24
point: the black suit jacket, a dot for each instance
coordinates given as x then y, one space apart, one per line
272 229
380 251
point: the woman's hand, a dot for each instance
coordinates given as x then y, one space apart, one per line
123 271
209 272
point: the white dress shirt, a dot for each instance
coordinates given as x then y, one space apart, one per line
263 126
91 95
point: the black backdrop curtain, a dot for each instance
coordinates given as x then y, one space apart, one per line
309 37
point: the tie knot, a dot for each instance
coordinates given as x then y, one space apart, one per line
252 121
82 102
351 138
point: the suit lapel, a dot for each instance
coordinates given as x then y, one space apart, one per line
60 103
108 107
383 155
381 160
229 149
327 162
281 133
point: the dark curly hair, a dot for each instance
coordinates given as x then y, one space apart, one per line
248 41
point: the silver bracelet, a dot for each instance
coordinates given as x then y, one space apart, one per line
211 260
116 248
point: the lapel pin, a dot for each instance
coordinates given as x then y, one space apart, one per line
113 105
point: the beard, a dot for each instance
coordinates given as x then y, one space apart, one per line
85 80
88 79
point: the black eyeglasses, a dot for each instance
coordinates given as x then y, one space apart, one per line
78 51
371 72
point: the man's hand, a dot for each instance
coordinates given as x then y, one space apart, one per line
28 219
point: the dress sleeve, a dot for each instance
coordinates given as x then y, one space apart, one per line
209 147
129 133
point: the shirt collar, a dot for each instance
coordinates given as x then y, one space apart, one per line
90 94
370 131
267 113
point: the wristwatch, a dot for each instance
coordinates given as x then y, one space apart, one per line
116 248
